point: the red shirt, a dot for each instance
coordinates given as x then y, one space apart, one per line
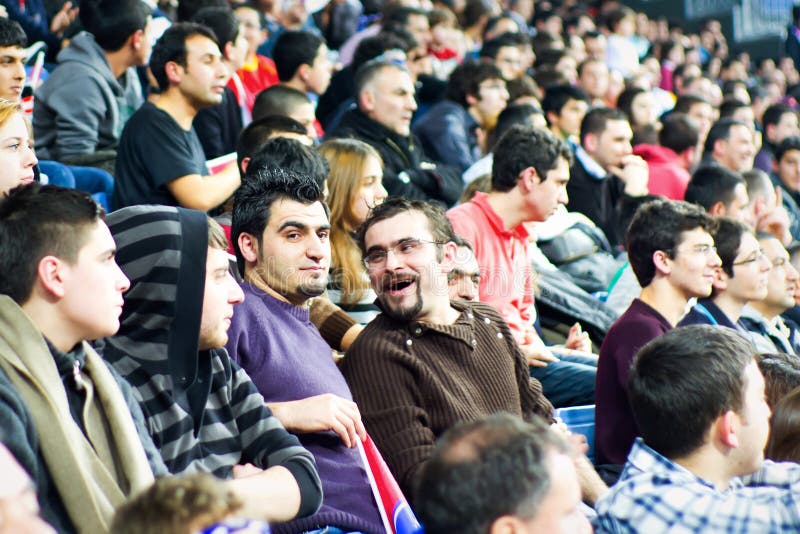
257 74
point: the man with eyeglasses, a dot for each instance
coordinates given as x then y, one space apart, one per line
741 278
426 362
768 330
672 253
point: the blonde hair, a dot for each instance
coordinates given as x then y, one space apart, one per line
347 159
8 109
216 235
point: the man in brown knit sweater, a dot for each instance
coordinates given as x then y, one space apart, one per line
425 363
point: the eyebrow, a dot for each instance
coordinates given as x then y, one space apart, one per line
302 226
393 244
108 252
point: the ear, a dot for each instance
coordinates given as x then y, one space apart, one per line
50 274
721 278
449 252
552 117
302 72
720 146
228 50
136 39
471 100
718 209
505 524
768 131
245 164
661 261
726 428
366 100
174 72
528 179
590 142
248 245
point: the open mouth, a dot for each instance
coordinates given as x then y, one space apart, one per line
398 286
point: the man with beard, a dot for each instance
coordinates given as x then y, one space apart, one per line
280 232
426 363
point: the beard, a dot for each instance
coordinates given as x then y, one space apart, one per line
402 314
313 288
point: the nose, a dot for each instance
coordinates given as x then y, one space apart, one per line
563 196
123 283
791 272
380 192
316 248
29 158
20 71
713 259
467 289
235 293
392 260
411 104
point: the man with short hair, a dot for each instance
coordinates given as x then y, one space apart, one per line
786 176
301 58
465 278
669 162
202 409
741 278
280 235
593 77
500 474
449 131
426 362
385 97
778 122
606 174
672 254
564 107
161 160
72 423
766 205
762 318
529 180
288 102
504 51
84 104
730 144
698 399
699 110
12 53
720 192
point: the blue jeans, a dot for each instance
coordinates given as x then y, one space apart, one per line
96 182
569 381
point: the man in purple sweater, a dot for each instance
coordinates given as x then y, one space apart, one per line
673 256
280 233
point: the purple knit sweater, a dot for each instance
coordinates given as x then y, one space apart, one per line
284 354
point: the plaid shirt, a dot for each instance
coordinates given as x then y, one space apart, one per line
656 495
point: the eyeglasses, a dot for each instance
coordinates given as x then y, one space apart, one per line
755 257
405 248
705 250
780 262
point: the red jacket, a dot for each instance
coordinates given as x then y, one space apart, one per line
668 177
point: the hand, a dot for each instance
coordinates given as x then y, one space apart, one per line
535 351
63 18
322 413
577 339
575 439
634 173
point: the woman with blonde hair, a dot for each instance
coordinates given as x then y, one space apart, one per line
355 187
16 153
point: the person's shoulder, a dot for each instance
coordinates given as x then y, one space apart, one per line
380 333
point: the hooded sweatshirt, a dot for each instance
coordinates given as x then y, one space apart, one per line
81 108
667 176
201 408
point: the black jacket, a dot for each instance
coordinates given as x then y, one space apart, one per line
407 172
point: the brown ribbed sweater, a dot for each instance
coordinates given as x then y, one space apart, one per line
413 381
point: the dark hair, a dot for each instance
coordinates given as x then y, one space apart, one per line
682 381
685 102
583 64
12 34
626 98
557 96
729 107
438 223
253 200
466 79
784 433
112 22
521 86
790 143
260 131
515 114
496 19
222 21
659 225
278 99
171 46
399 14
615 16
597 119
188 8
522 147
491 47
720 131
474 10
547 76
485 469
292 155
728 239
757 182
372 47
678 133
711 184
294 48
774 114
38 221
781 375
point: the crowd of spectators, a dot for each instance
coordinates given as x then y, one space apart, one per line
241 239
